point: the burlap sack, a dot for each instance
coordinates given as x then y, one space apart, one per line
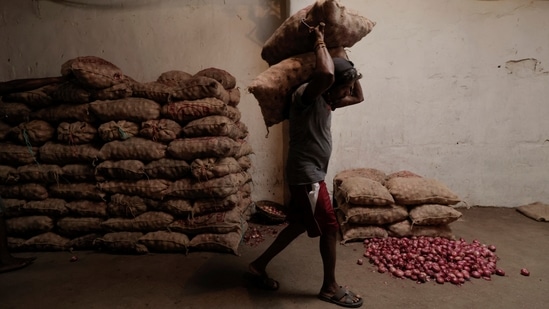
155 91
8 175
61 154
370 173
130 109
274 87
225 78
118 130
78 172
126 206
433 214
200 87
34 132
214 188
406 229
48 241
84 242
28 191
71 93
118 91
5 130
36 98
79 226
373 215
65 112
165 241
123 169
170 169
77 191
418 190
233 113
14 113
245 162
15 243
214 205
121 242
242 130
16 155
52 207
344 27
146 222
185 111
363 191
203 147
135 148
234 97
29 225
403 173
244 149
211 126
177 207
13 207
85 208
223 243
173 78
220 222
160 130
93 72
209 168
353 232
76 133
40 173
146 188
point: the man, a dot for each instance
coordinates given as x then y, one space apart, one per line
7 261
334 84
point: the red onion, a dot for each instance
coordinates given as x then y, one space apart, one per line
432 258
524 272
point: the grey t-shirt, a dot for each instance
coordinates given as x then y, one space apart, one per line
310 140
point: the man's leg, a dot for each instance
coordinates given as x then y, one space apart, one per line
330 287
284 238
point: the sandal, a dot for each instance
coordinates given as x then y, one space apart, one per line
262 280
343 297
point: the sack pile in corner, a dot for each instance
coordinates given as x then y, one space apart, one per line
289 53
104 162
372 204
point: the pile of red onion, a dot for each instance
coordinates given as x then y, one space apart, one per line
256 233
423 259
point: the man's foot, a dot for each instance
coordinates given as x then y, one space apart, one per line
262 280
342 297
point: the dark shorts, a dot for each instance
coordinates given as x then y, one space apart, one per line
323 220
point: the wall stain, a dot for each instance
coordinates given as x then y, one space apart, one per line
524 67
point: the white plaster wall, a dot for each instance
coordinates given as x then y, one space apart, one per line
443 95
442 100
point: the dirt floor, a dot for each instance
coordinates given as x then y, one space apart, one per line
216 280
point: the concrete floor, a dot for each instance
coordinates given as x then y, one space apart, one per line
215 280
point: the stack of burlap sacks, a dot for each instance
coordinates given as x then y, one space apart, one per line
289 53
104 162
371 204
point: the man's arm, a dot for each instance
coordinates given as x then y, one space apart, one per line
355 96
323 76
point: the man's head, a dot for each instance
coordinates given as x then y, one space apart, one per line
345 76
344 71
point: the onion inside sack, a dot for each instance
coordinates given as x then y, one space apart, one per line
438 259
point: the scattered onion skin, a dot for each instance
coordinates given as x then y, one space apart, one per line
424 259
